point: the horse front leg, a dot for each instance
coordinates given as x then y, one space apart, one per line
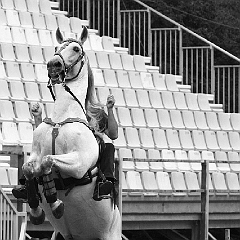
50 191
37 215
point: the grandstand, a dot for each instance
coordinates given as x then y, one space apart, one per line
178 148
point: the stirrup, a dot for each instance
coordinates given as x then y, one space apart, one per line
103 190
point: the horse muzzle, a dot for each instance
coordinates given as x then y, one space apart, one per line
56 71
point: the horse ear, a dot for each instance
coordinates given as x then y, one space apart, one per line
59 36
84 35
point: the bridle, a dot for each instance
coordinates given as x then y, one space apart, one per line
67 69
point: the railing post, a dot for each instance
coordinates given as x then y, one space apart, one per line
212 71
204 224
149 35
180 52
88 12
119 32
227 234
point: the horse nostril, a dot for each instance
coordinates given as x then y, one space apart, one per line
57 64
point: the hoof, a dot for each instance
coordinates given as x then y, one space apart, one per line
37 219
57 209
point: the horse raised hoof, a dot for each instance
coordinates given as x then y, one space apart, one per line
37 216
57 209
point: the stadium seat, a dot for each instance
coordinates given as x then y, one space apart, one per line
122 78
124 117
32 36
6 111
63 23
234 140
186 140
38 20
164 118
219 157
210 184
209 156
45 7
192 182
36 54
120 142
219 183
124 183
3 19
169 166
119 97
25 19
22 53
25 131
127 62
151 118
134 182
160 139
126 153
48 53
199 140
110 78
211 140
143 98
12 71
32 5
212 121
176 119
139 63
195 156
22 111
45 93
146 138
155 99
188 120
10 133
107 44
232 182
138 118
92 59
192 102
149 182
178 182
49 109
20 5
18 35
223 141
98 77
3 177
32 92
234 161
96 43
181 156
75 24
159 81
180 101
200 120
7 52
154 166
17 91
140 156
203 102
51 22
28 73
224 121
102 93
5 36
7 4
115 61
41 73
167 100
171 83
235 120
13 176
12 18
4 90
146 79
130 98
45 37
135 80
164 183
173 139
132 137
103 60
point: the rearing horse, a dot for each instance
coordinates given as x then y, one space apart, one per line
65 152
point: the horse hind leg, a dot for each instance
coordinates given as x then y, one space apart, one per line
37 215
50 191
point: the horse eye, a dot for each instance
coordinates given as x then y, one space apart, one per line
76 49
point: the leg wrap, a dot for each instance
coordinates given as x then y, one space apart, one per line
50 191
33 199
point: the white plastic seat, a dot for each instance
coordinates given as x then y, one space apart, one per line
63 23
32 36
151 118
102 93
146 138
192 183
32 92
124 117
12 17
6 111
120 142
139 156
110 78
3 19
126 153
36 54
164 118
103 60
92 59
5 36
45 37
235 119
180 101
138 118
186 140
17 91
127 62
22 53
18 35
176 119
160 139
212 121
146 79
96 42
232 182
234 157
4 90
25 131
134 180
48 52
7 4
211 140
224 121
3 177
132 137
149 181
10 133
163 181
119 97
200 120
32 5
135 80
38 20
41 73
192 102
7 52
223 141
154 166
13 176
159 81
222 156
51 22
188 120
194 155
139 63
155 99
167 100
234 140
28 73
209 156
203 102
219 182
130 98
107 44
143 98
173 139
122 78
171 165
115 61
45 7
199 140
178 182
181 155
25 19
22 111
171 83
13 71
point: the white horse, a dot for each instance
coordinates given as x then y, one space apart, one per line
71 157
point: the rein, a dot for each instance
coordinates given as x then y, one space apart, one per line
66 70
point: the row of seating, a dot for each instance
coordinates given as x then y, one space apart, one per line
178 183
179 160
42 6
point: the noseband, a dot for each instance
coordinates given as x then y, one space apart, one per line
67 69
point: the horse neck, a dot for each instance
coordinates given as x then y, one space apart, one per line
65 105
